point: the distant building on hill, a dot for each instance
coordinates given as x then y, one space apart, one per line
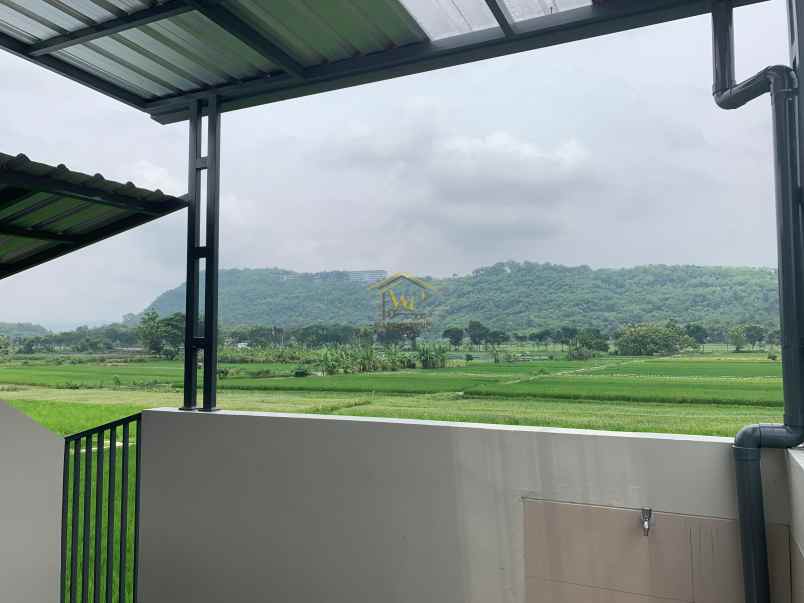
367 277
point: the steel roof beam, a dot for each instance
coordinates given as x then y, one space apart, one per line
252 38
169 9
45 184
38 235
503 19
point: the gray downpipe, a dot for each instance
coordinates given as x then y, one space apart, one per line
781 83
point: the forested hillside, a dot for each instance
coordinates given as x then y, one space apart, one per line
509 296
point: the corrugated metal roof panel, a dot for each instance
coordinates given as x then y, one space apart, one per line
322 31
24 24
43 19
206 39
13 249
87 219
116 70
36 214
14 203
181 54
198 63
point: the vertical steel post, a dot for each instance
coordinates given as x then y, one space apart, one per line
195 165
110 514
137 503
96 573
212 245
87 506
207 339
789 139
124 493
64 501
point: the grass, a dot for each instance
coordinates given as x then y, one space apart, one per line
111 375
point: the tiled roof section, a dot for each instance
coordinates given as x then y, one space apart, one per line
21 164
47 212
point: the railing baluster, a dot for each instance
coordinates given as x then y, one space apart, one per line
64 502
98 520
84 506
137 508
74 521
87 503
110 510
124 515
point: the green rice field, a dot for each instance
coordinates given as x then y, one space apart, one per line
712 393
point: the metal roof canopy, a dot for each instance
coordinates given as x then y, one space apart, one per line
160 55
47 212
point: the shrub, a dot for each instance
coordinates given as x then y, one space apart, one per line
432 356
262 374
653 339
580 354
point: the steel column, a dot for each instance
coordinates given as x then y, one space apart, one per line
212 245
790 174
206 338
193 240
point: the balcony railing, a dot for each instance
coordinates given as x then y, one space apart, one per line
100 514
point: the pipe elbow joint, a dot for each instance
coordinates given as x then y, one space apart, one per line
769 436
777 79
749 437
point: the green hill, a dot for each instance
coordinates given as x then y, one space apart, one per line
508 296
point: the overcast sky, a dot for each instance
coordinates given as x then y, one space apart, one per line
606 152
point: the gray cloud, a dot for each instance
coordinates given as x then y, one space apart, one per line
604 152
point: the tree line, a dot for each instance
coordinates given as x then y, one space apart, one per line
164 336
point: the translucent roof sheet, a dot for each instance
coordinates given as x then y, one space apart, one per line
46 212
521 10
160 55
447 18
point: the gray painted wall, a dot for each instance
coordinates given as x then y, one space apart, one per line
30 509
795 467
265 507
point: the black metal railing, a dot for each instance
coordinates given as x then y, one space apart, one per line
100 514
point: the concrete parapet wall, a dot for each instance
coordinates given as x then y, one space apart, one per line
299 508
31 459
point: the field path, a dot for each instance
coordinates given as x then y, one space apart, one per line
583 369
